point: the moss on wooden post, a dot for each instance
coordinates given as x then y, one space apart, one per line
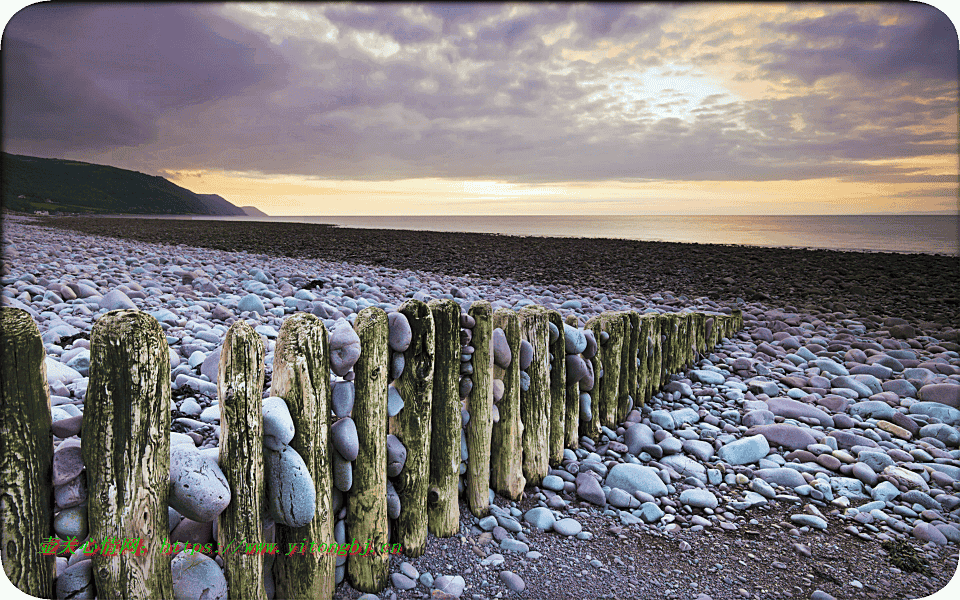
26 492
572 399
669 336
700 322
367 500
643 358
240 389
710 327
301 376
655 354
591 427
443 507
610 359
624 389
126 450
480 406
558 391
506 443
413 427
632 325
535 401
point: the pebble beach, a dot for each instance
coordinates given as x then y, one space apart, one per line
814 454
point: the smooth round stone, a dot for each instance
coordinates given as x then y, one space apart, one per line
450 584
76 581
197 577
466 386
513 581
59 372
278 427
396 455
567 527
344 394
397 363
71 493
498 390
809 521
393 501
540 517
707 377
698 498
524 381
402 582
67 461
116 300
345 440
944 393
291 494
342 473
576 368
632 478
400 332
71 523
574 340
552 483
591 350
745 450
526 354
501 349
554 332
251 303
586 409
198 488
344 347
929 533
394 402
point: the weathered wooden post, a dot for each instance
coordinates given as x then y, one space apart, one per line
644 349
669 329
624 389
443 507
367 500
710 327
126 450
655 357
611 357
535 401
240 389
480 406
633 354
591 427
413 427
506 443
700 325
558 391
26 458
301 376
572 410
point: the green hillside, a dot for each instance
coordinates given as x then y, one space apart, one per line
30 183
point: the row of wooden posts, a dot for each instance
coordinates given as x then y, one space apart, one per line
126 442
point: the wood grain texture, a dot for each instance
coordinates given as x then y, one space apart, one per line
26 458
126 450
240 389
558 391
443 506
535 401
571 434
480 406
301 376
506 454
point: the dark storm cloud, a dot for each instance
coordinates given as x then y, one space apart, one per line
96 76
923 45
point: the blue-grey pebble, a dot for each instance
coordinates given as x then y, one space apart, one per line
196 576
554 332
466 386
77 581
574 340
397 363
400 332
396 455
291 494
198 488
526 354
393 501
251 303
344 394
342 473
394 402
345 440
501 349
591 350
278 427
524 381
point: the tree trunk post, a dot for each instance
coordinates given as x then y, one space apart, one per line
558 390
711 331
572 401
611 357
625 388
126 450
443 506
506 443
632 362
26 492
413 427
700 321
480 406
367 500
240 389
591 428
301 376
669 330
535 402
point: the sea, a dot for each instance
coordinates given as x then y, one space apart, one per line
923 234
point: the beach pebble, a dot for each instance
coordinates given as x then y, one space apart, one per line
633 478
198 488
394 402
197 577
393 501
400 332
344 347
278 427
251 303
291 494
67 461
513 581
342 473
71 523
526 354
568 527
501 349
574 340
345 440
396 455
450 584
59 372
77 581
116 300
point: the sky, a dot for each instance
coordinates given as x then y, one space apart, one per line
500 109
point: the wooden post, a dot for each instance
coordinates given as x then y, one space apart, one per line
711 331
591 428
26 492
700 322
737 321
624 389
653 349
610 358
535 402
443 507
669 330
558 390
480 405
572 401
633 354
301 376
413 427
240 389
506 442
367 500
126 450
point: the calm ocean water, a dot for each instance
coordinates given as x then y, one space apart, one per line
886 233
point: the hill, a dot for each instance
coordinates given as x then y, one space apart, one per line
30 183
253 211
